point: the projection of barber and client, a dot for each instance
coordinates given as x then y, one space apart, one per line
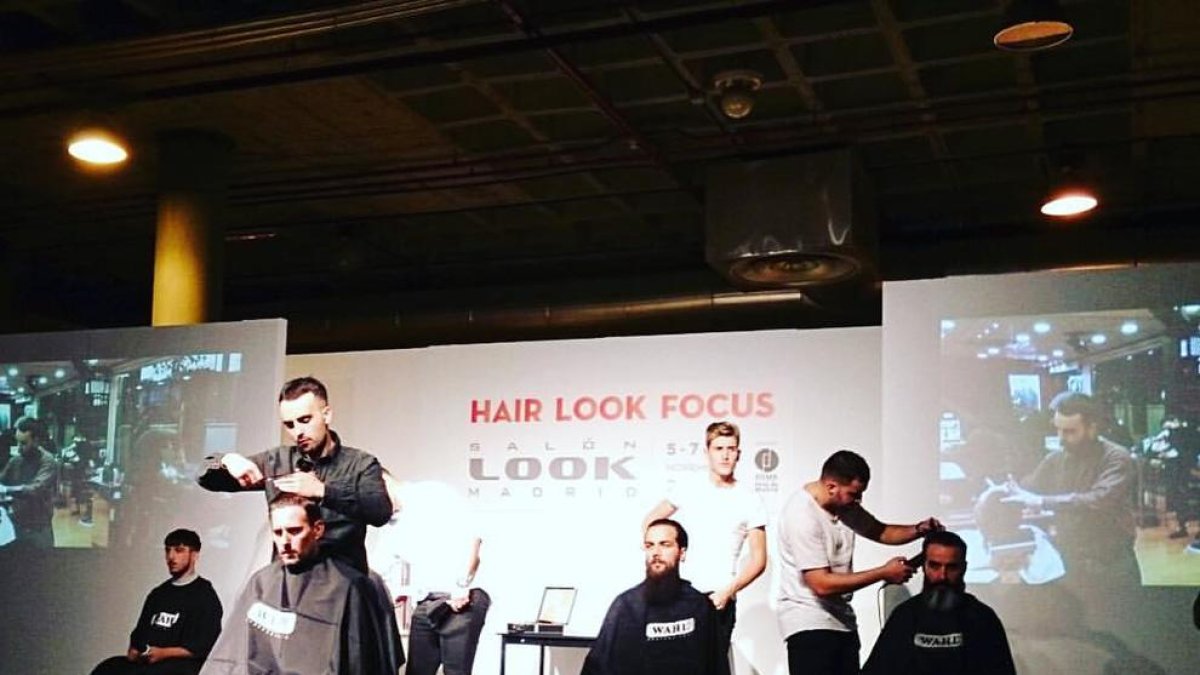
1069 446
96 451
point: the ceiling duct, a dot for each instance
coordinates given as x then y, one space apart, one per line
795 221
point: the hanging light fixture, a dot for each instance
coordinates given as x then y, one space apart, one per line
735 92
97 146
1069 202
1070 193
1032 25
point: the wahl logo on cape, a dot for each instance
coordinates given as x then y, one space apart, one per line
273 622
672 629
164 620
947 641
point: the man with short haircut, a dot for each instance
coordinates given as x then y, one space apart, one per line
662 625
306 613
817 528
27 484
345 481
724 515
944 630
180 619
1088 486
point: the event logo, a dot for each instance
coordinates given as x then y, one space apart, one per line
557 468
517 470
767 460
164 620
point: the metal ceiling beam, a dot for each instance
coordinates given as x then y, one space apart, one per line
223 38
462 51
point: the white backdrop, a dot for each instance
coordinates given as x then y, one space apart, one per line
562 447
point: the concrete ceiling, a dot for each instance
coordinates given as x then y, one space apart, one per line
404 169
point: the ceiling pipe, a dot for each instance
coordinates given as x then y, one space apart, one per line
694 312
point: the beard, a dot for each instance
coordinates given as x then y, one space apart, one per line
943 596
662 587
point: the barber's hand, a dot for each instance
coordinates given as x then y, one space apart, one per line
133 655
896 570
244 471
303 483
720 598
928 525
458 604
1016 493
151 655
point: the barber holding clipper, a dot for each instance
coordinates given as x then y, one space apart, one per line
346 482
944 630
817 528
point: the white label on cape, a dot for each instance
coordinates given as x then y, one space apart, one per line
947 641
273 622
673 629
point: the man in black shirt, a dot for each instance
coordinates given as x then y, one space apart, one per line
944 630
180 619
27 485
662 625
346 482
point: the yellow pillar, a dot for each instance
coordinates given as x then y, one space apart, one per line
193 178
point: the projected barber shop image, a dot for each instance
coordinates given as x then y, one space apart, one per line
1068 446
94 452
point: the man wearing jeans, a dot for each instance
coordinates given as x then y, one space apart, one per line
429 554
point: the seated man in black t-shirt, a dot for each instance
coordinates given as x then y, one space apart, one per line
662 625
180 619
944 630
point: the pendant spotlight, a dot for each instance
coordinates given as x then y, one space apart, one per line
96 146
1032 25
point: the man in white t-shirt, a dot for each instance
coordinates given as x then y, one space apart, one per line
429 554
722 516
816 562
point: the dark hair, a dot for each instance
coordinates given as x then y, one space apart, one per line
681 537
30 425
182 537
845 466
297 387
722 429
1072 403
311 510
945 538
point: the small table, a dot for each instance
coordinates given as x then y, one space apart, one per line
542 640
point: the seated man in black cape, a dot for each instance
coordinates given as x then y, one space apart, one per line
662 625
306 613
944 630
